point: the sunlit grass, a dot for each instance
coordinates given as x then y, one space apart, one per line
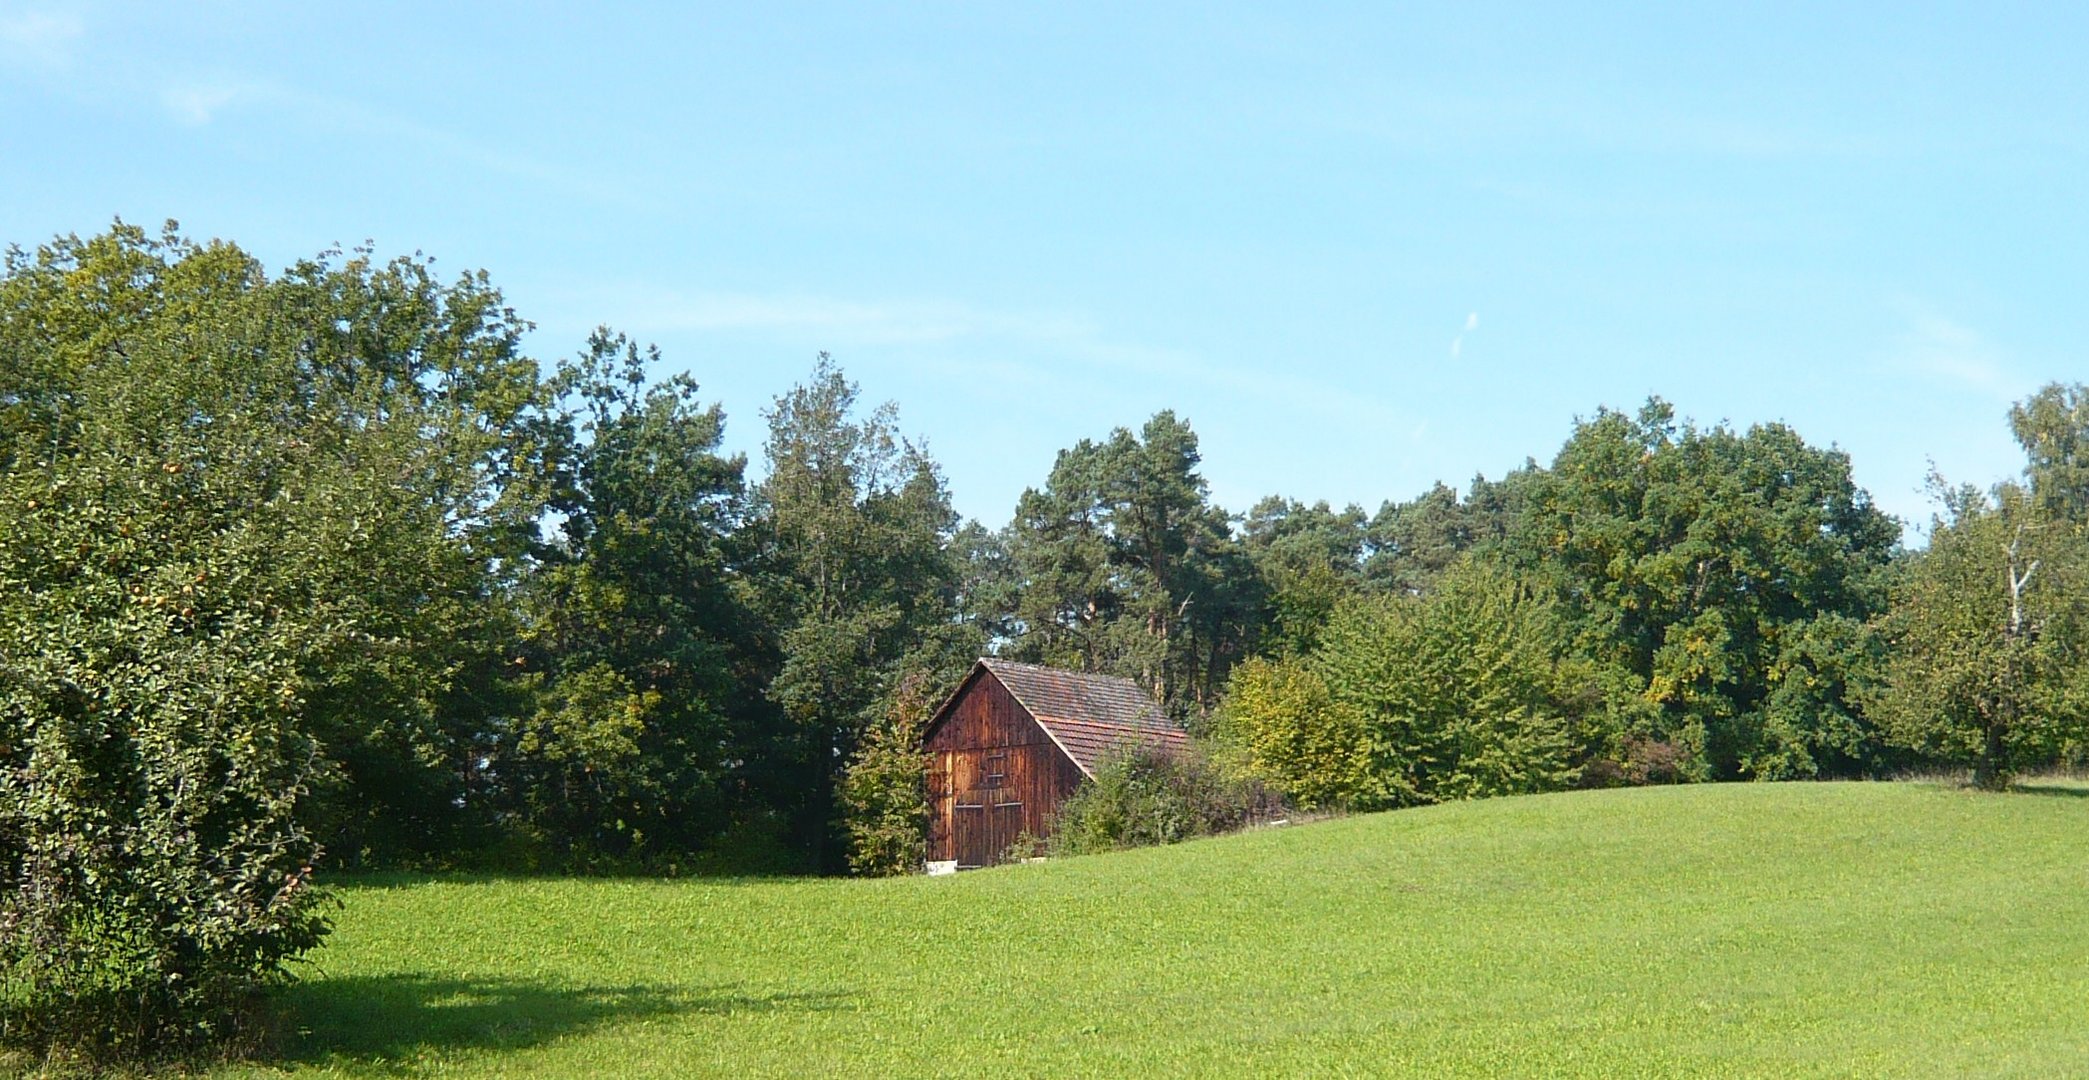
1774 930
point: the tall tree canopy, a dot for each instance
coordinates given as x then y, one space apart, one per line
1124 566
1990 625
2053 428
858 574
1309 559
637 641
1724 571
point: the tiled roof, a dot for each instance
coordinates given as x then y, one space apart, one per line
1087 715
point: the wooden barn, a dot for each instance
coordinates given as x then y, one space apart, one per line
1013 741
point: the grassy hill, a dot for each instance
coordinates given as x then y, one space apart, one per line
1817 929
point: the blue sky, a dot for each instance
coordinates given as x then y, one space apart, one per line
1360 249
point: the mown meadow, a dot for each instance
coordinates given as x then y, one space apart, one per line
1774 929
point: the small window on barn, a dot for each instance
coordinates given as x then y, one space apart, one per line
996 770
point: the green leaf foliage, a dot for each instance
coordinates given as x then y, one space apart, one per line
255 533
1464 690
1310 559
1124 567
1142 796
636 641
858 572
2052 426
1699 561
884 792
181 582
1989 635
1292 732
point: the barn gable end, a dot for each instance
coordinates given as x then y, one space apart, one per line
982 713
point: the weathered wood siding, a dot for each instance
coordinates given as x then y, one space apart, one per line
993 775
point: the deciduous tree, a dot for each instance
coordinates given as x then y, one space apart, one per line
1698 560
638 650
858 574
1990 625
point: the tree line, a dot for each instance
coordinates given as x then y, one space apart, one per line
318 568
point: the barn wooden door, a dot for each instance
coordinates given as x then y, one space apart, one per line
1006 812
941 776
969 841
987 811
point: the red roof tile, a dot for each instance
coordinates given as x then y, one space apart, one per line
1087 715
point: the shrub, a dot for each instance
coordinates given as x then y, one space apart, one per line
243 525
1142 796
1461 690
1644 760
1280 717
154 870
884 791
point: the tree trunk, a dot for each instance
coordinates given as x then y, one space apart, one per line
1991 773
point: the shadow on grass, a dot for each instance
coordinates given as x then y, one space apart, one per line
2071 788
394 1019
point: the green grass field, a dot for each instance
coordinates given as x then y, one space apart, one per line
1773 930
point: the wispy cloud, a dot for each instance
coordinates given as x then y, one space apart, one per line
345 115
195 100
198 103
1022 349
1950 352
1472 323
40 39
43 45
841 322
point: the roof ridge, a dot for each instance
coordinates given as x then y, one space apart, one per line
1094 696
